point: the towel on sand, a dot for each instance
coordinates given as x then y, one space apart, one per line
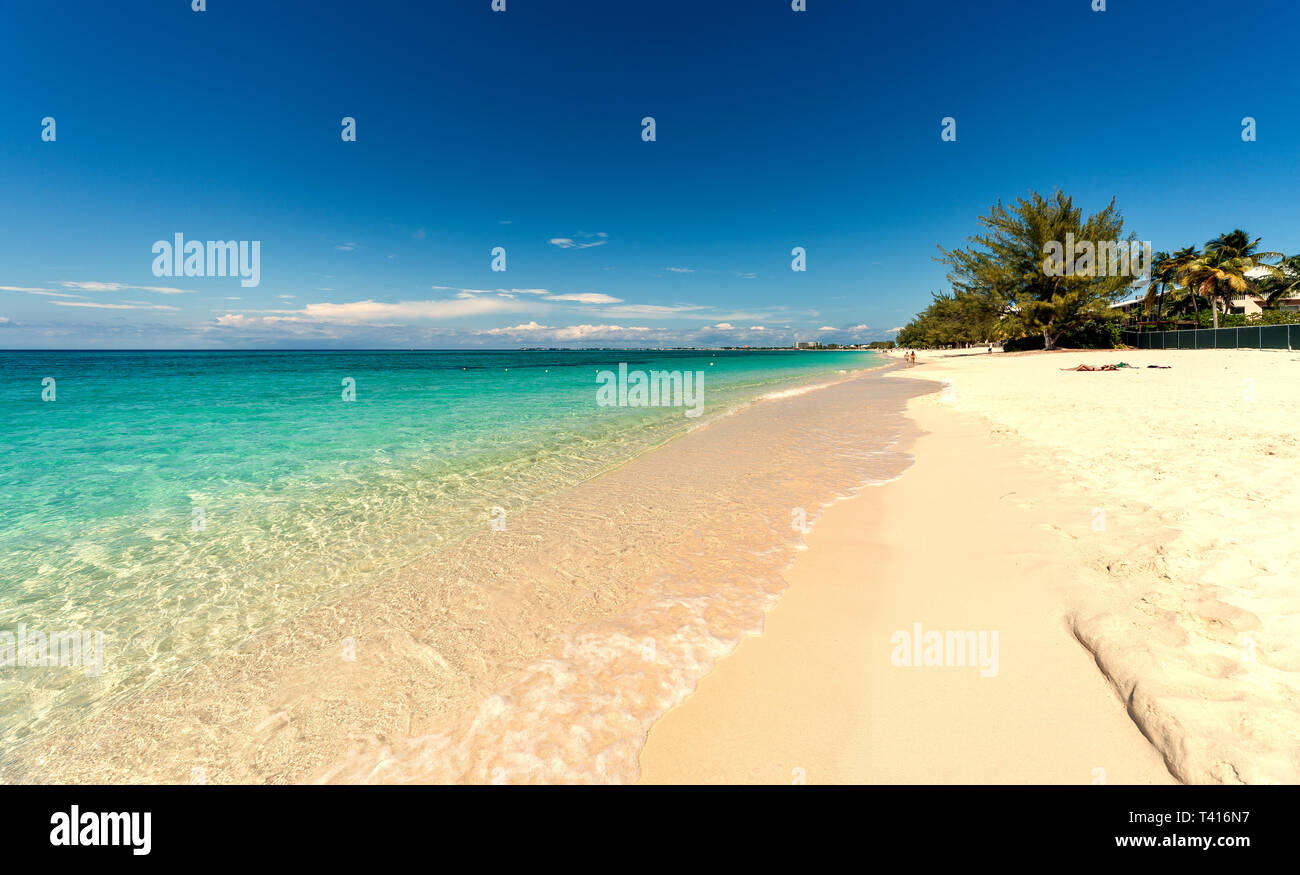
1115 367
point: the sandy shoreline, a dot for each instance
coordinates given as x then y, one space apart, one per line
539 653
1084 521
817 696
1106 558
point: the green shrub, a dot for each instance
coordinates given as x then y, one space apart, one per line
1096 333
1242 320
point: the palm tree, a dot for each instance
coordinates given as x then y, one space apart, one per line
1209 275
1284 284
1174 266
1237 244
1222 268
1160 279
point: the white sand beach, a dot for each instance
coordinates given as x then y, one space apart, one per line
1060 577
1136 521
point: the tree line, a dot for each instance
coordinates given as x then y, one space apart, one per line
1008 285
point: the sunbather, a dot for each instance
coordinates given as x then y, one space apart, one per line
1114 367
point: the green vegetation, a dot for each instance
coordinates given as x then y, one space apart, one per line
1282 285
1230 268
1219 273
1005 287
1097 333
1001 287
953 320
1241 320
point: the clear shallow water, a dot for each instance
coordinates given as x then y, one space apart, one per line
302 496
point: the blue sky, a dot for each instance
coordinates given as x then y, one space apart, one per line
522 129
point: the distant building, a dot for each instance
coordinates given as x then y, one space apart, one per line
1253 305
1248 304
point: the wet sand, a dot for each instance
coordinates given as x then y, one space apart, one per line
1127 536
1130 533
540 653
962 541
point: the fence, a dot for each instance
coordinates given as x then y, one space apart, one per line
1245 337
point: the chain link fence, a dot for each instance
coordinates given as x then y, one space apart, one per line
1245 337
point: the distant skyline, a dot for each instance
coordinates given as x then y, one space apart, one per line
522 130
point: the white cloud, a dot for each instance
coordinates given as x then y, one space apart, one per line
239 320
597 239
163 290
464 293
542 294
346 247
680 269
27 290
661 311
519 329
580 332
371 312
330 319
94 287
98 306
827 328
585 298
894 330
535 331
121 287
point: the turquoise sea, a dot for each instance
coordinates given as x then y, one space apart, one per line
181 502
